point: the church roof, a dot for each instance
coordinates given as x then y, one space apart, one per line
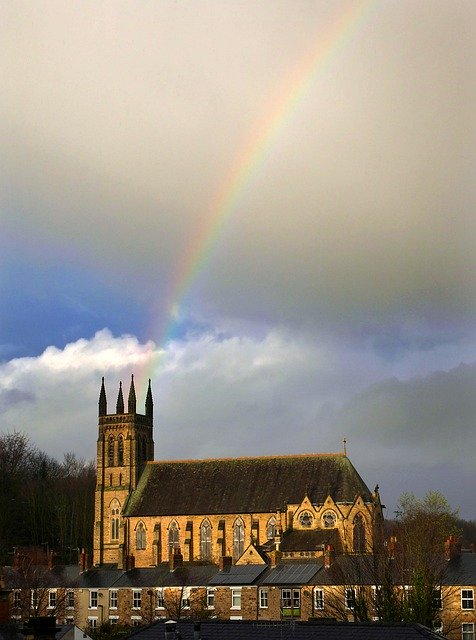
244 485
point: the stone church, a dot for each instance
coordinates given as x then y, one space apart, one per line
146 511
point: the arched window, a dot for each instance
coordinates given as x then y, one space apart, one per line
140 536
143 450
206 541
173 537
110 451
115 511
271 528
238 539
359 533
120 450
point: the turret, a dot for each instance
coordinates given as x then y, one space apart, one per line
120 400
131 403
149 404
102 400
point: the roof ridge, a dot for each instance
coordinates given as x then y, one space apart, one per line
273 457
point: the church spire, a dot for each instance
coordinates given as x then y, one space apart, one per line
120 400
149 404
131 403
102 400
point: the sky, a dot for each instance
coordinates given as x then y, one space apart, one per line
265 207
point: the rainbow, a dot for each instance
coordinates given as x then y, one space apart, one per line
254 151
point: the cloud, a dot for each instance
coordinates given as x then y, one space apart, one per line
233 395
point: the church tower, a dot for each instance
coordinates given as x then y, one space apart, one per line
125 443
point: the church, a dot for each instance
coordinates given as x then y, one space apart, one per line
147 511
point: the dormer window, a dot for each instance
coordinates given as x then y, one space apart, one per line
329 519
306 519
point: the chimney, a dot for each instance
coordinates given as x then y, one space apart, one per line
196 631
170 628
274 557
176 559
130 562
4 602
328 556
52 558
225 562
392 547
82 561
452 548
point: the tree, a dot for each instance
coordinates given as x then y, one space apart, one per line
401 578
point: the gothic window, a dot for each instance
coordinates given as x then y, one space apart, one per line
115 511
238 539
173 537
206 541
359 533
120 451
143 450
110 450
271 528
140 536
305 519
329 519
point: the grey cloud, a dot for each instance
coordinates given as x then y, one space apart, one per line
362 208
11 397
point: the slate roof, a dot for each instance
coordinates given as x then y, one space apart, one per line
238 574
244 485
192 574
291 573
282 630
461 570
309 540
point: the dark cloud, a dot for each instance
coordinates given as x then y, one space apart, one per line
9 398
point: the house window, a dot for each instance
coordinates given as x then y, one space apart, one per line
350 598
136 621
159 598
51 599
467 631
236 598
140 536
263 598
467 599
34 599
110 451
70 599
290 602
113 599
186 598
16 599
173 536
69 620
210 598
238 539
136 598
319 599
92 622
359 534
437 601
113 620
271 528
93 600
206 541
